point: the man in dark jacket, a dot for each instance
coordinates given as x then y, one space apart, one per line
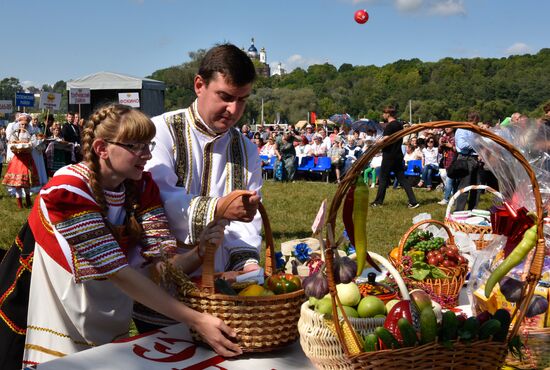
392 161
71 133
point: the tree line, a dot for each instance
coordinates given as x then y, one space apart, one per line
446 89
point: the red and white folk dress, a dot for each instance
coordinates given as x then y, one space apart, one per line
72 304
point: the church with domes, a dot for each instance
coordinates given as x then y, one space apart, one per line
259 59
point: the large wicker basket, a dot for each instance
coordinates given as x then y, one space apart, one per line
479 355
482 231
262 323
448 288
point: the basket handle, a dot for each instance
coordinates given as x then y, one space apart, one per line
404 238
467 189
535 268
208 273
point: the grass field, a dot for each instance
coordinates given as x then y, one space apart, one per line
292 208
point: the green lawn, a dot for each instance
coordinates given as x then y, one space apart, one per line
292 208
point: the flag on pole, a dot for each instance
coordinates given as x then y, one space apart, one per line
312 117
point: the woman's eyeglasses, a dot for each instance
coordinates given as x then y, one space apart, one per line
137 148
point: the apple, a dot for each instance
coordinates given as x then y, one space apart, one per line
421 299
350 311
324 306
371 306
349 294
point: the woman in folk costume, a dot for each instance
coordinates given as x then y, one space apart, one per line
21 173
98 230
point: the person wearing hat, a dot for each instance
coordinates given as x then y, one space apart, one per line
309 133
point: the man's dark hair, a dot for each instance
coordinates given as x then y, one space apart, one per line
474 117
231 62
390 110
546 107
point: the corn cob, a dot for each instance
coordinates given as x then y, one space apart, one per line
354 346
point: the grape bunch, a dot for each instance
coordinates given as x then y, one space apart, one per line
429 245
416 237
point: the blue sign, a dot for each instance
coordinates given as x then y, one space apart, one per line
24 99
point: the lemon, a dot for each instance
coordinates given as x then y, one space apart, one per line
252 291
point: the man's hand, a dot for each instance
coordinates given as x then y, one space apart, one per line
243 208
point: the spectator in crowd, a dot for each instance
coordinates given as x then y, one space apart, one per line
373 169
303 147
392 161
36 126
59 152
337 154
325 138
49 122
212 162
269 148
259 142
286 154
3 145
309 133
317 148
245 130
353 152
21 173
430 163
335 133
447 149
463 141
71 133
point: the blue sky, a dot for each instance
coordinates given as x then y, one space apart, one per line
47 41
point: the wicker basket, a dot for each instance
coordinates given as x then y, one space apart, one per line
320 342
449 288
480 230
537 355
478 355
262 323
21 148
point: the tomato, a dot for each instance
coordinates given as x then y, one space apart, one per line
283 283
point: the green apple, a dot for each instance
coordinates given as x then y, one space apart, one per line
349 294
350 311
312 301
371 306
324 306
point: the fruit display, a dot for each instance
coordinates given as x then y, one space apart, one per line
275 284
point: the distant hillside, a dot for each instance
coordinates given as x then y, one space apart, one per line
446 89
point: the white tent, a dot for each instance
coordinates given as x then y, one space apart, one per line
105 87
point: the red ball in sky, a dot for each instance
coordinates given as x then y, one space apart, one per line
361 16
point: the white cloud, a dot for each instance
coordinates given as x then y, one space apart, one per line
296 61
447 7
518 48
29 83
408 5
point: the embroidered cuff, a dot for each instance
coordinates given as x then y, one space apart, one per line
201 213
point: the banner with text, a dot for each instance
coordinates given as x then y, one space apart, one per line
130 99
24 99
6 106
50 100
79 96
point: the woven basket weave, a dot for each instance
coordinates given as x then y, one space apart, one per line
480 230
262 323
450 287
480 354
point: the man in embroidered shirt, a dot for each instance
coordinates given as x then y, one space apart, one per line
200 158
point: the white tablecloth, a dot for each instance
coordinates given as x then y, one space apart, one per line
172 349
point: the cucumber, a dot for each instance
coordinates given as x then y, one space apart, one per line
489 328
371 342
503 316
469 330
223 287
410 339
449 326
387 338
428 326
